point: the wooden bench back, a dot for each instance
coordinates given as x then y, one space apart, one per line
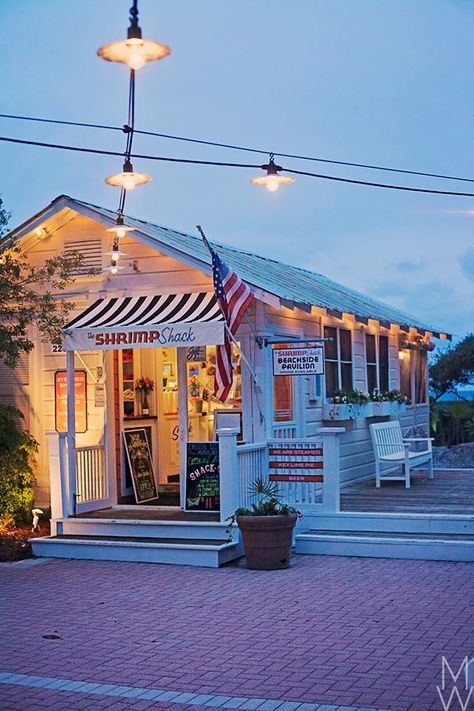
387 438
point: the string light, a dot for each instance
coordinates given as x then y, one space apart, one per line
120 229
272 180
134 51
128 179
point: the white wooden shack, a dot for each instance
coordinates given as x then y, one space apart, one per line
82 465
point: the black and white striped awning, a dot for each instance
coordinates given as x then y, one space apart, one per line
147 322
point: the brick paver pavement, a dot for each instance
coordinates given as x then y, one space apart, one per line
347 632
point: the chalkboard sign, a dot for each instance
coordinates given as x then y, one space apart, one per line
141 468
202 476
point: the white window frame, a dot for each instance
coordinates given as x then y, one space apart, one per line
339 362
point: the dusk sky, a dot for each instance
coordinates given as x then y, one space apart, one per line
388 82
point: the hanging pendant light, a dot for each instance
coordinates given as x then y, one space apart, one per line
128 179
120 229
115 254
114 268
134 51
272 180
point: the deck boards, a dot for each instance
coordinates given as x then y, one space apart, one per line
153 515
450 492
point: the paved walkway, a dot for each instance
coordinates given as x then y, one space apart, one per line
329 633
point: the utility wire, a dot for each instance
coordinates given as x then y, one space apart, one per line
235 147
321 176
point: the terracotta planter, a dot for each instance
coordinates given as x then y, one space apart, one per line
267 540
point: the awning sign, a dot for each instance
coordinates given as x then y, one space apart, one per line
298 361
176 334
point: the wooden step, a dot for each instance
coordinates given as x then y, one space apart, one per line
205 552
386 544
145 528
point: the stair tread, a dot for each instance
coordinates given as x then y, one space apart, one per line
139 539
467 537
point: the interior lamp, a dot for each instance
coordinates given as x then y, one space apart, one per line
272 180
128 179
134 50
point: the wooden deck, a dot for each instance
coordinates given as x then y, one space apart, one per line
450 492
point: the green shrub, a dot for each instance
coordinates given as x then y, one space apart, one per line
16 475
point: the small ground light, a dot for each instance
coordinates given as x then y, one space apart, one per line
128 179
134 51
272 180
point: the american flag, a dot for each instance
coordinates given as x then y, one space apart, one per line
234 297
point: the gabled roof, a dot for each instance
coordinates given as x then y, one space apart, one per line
294 286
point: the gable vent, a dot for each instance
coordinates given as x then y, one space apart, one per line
91 250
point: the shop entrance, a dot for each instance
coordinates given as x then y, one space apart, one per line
164 393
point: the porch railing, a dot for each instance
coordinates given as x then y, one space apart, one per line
307 471
90 473
252 461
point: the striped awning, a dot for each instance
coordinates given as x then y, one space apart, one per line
147 322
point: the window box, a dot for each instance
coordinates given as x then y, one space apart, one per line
383 409
334 412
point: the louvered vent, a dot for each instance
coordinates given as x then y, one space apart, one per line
91 249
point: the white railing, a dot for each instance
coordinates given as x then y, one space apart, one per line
90 473
284 430
252 460
311 481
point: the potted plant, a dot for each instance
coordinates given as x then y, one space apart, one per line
267 528
347 405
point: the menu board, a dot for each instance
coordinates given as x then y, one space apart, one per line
60 400
202 477
138 453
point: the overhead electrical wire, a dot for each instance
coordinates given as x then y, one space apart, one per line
193 161
217 144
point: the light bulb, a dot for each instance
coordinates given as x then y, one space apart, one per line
136 59
120 232
272 183
114 269
115 256
128 182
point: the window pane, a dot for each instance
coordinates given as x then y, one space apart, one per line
371 377
370 348
330 347
383 350
383 375
331 378
345 344
282 398
346 376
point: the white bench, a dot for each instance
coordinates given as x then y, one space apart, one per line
393 453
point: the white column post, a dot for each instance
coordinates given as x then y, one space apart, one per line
71 431
57 476
229 472
181 354
332 468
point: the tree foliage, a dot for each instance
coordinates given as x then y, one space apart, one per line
27 296
16 475
452 368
